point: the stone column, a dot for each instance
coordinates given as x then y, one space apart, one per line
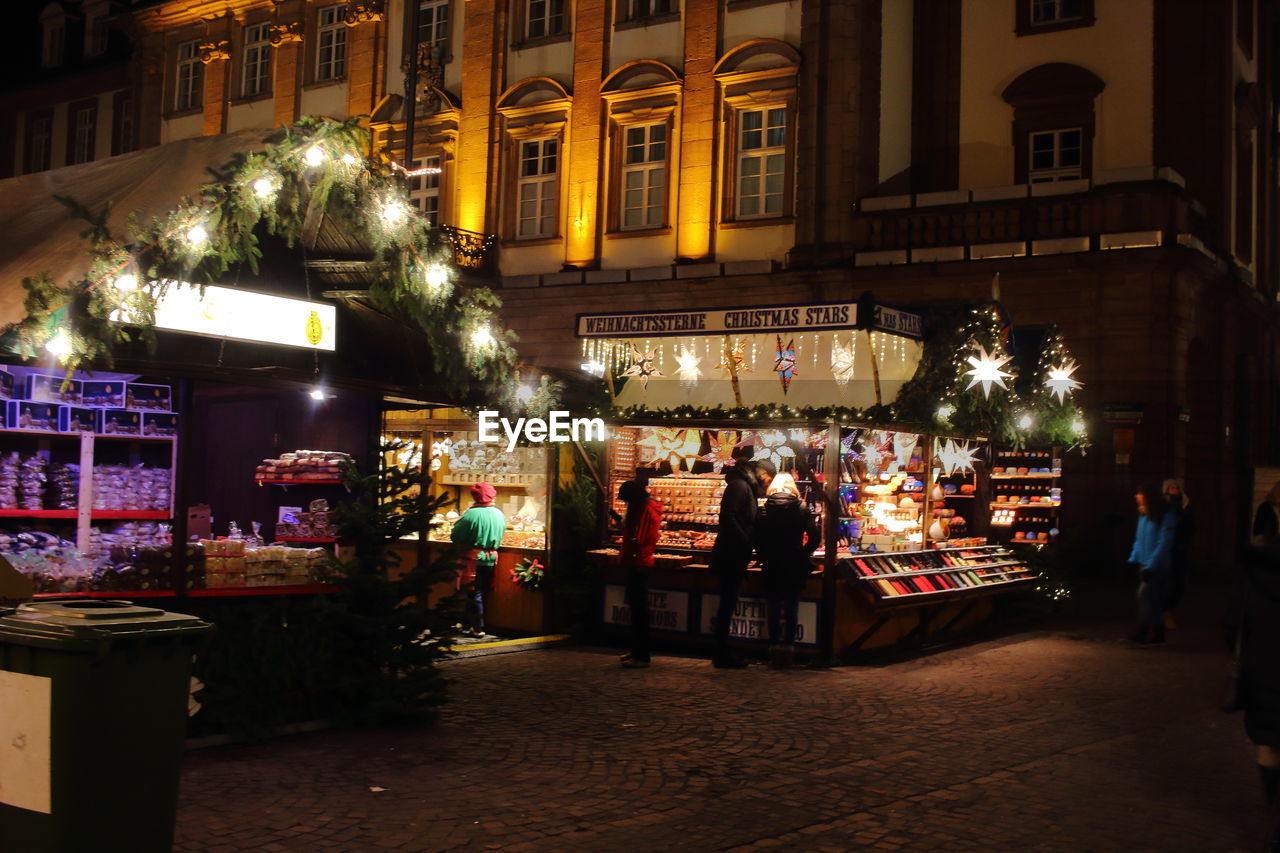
699 131
215 53
582 194
286 38
483 62
366 44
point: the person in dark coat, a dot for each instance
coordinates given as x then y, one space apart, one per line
1253 621
787 534
640 529
744 483
1266 521
1152 553
1184 528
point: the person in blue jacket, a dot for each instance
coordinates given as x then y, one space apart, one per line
1153 554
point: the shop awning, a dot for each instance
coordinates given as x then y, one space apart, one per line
37 233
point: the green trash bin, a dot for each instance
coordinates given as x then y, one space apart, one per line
93 714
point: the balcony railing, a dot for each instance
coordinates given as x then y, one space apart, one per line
974 222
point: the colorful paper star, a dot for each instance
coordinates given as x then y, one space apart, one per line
674 446
770 444
785 363
642 366
842 358
688 362
1060 381
956 457
734 354
987 370
722 445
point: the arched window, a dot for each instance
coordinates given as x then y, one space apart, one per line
641 99
1053 122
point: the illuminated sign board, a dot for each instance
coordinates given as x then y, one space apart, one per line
243 315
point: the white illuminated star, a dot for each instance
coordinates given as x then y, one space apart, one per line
1060 381
956 457
987 370
688 362
842 358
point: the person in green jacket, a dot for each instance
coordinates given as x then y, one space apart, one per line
479 530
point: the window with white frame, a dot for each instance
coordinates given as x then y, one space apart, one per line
761 162
433 26
543 18
1054 11
1056 155
84 132
331 43
40 143
54 41
639 9
255 75
537 188
644 176
189 77
424 188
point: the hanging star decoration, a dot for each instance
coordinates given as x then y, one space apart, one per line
642 366
735 355
956 457
987 369
770 444
722 445
785 363
674 446
841 362
904 444
687 372
1060 381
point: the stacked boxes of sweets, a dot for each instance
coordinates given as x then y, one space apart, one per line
920 572
316 524
303 465
122 487
224 562
691 509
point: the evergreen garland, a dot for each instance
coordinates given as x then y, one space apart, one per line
316 165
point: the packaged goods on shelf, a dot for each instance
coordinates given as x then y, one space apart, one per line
228 562
123 487
6 385
10 466
102 395
24 414
130 535
468 461
77 419
303 465
152 398
44 388
31 483
64 486
119 422
160 424
921 573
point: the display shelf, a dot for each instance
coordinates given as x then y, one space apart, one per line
283 589
109 593
1037 505
274 482
945 570
97 514
97 436
453 481
917 597
1026 476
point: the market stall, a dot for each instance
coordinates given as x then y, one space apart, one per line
911 525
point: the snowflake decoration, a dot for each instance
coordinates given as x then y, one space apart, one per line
1060 382
642 366
722 445
987 369
674 446
785 363
735 355
770 444
842 358
688 362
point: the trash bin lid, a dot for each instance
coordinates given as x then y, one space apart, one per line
92 619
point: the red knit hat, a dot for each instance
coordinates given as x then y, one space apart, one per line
483 493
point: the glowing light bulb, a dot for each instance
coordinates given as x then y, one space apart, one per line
59 345
482 337
394 212
945 411
1077 426
1026 422
197 235
524 393
316 393
594 368
436 277
126 282
348 159
314 156
264 187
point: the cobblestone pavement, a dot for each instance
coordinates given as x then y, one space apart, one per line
1039 741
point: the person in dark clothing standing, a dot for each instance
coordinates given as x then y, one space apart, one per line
744 483
640 528
1253 629
1266 521
1184 528
786 536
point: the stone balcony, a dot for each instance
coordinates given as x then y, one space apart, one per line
1123 208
